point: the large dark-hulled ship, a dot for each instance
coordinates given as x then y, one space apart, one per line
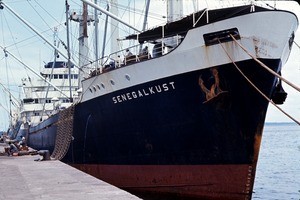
183 121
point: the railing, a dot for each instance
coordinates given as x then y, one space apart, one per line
137 53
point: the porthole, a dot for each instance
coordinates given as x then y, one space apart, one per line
94 87
102 85
112 82
98 86
91 90
127 77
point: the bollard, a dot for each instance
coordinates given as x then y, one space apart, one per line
45 154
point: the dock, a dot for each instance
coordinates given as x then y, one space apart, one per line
23 178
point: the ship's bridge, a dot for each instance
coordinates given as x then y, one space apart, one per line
58 64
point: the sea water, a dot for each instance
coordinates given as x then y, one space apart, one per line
278 169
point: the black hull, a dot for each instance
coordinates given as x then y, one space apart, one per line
170 122
177 126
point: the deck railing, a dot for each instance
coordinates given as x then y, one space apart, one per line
137 53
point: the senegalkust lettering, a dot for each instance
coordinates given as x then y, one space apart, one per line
144 92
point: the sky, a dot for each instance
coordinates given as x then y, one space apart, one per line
45 15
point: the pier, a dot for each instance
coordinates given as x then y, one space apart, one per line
23 178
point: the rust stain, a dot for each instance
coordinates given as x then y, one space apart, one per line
214 89
252 168
262 45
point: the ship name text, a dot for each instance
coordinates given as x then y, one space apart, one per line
144 92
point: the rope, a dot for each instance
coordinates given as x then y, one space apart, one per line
266 67
297 44
249 81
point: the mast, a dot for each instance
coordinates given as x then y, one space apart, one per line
145 20
52 68
146 15
68 50
174 10
96 35
114 28
83 42
9 94
105 32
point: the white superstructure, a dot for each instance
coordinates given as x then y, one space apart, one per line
42 100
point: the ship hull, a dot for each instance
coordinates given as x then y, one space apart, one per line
43 135
177 181
209 145
187 124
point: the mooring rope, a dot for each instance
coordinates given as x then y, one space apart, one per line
297 44
249 81
266 67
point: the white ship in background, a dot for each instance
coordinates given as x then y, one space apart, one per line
42 103
43 100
